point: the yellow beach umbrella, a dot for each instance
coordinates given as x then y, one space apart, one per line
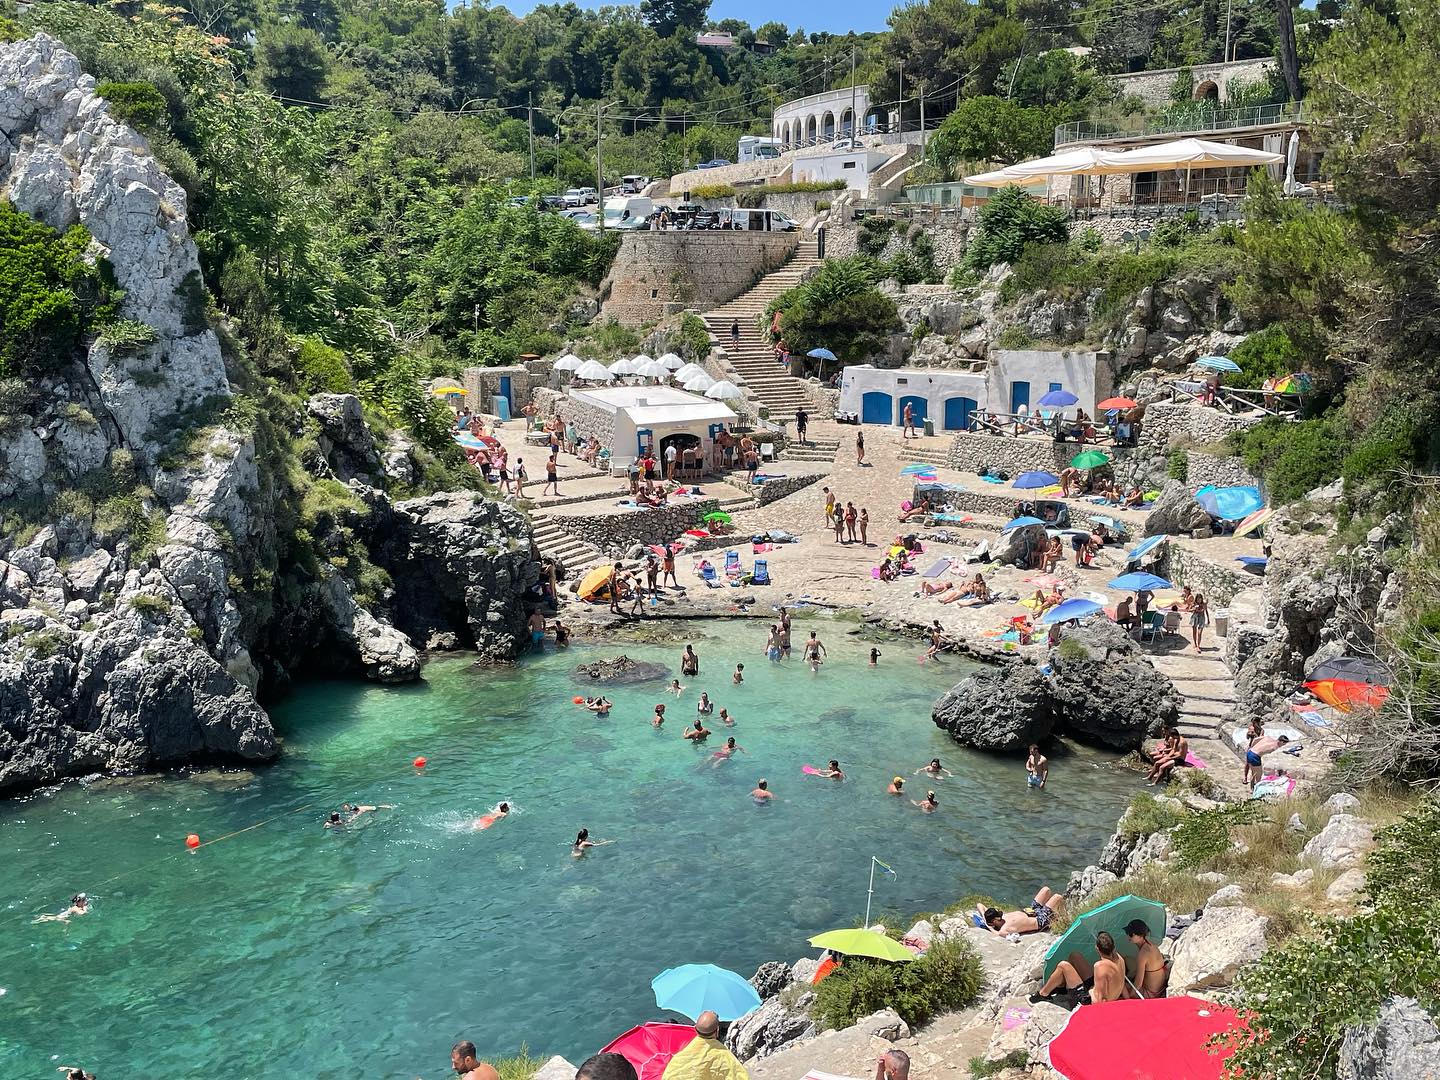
857 942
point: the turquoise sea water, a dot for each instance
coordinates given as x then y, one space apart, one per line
293 951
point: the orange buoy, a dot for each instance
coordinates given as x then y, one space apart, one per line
578 700
419 762
192 841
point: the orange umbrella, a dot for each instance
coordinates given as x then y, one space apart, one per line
1115 403
1345 694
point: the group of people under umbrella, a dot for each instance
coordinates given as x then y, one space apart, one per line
1103 968
668 368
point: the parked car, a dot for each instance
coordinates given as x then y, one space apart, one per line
584 218
713 163
552 202
580 196
519 200
633 184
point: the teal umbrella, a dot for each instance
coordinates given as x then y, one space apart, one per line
1079 937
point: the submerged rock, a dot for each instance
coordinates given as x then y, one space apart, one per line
622 670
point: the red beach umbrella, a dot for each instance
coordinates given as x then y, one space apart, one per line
1345 694
1153 1039
649 1047
1115 403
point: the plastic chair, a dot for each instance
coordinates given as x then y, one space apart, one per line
732 562
761 574
1150 627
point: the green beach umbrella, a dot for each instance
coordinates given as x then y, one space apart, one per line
1079 937
718 515
1090 459
863 943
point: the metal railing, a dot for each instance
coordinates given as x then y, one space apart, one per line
1235 401
1188 122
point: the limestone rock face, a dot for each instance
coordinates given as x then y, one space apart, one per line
1212 951
384 652
770 978
1402 1044
1000 709
1343 842
773 1027
345 439
1175 513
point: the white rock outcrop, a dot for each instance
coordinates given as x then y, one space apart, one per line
1342 843
1211 952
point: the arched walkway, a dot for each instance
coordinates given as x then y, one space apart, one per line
827 125
810 129
1207 91
847 122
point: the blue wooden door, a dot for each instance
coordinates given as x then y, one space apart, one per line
957 413
917 406
877 407
1019 395
505 390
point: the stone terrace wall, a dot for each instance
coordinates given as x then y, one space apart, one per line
1202 468
970 452
663 273
777 488
1165 421
1153 87
589 421
948 235
616 533
1219 583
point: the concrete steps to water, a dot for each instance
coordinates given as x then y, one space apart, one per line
566 547
812 450
753 357
925 457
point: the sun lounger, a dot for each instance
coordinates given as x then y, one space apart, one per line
761 573
935 569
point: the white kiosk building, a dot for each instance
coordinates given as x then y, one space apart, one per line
627 419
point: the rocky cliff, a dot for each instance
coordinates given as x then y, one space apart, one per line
174 546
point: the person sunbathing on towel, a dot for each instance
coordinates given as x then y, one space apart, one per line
920 509
1030 921
1133 498
930 588
975 589
888 571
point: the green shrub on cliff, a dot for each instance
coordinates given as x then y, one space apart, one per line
1008 223
839 309
947 977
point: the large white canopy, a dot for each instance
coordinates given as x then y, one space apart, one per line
636 361
1082 162
1190 154
724 390
651 369
594 371
688 372
568 362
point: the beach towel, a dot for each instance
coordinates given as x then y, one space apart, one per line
1273 785
1195 761
953 519
935 569
875 572
760 549
1310 716
992 479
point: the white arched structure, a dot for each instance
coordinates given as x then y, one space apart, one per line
822 117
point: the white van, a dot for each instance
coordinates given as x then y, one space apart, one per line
621 210
634 184
755 220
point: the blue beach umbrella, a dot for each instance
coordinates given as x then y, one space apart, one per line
918 470
1144 547
1217 363
1138 580
1035 479
1068 610
692 989
1079 936
1252 560
1058 399
826 354
1230 503
470 442
1021 522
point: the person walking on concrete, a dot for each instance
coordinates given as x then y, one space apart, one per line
734 331
909 432
802 422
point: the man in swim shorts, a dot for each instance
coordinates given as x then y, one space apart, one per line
928 804
537 628
726 752
467 1066
762 792
1030 921
1254 765
699 733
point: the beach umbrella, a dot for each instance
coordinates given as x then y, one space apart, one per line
1345 694
724 390
672 361
1138 580
918 469
1020 523
1079 936
1252 561
1116 403
1090 459
699 384
1230 503
652 369
1217 363
821 354
1295 383
720 516
1035 478
1058 399
637 361
688 372
649 1047
622 367
594 371
1254 521
1352 668
568 362
1069 610
593 582
1143 1039
695 988
470 442
856 942
449 391
1144 547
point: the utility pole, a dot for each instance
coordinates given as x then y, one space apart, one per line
599 172
530 123
854 126
922 121
1225 56
901 125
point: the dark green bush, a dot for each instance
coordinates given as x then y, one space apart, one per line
322 368
1292 458
1204 835
1008 223
139 104
1177 466
873 234
947 977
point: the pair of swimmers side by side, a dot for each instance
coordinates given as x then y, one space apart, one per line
351 812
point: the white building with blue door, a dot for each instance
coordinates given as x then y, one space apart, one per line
947 397
629 419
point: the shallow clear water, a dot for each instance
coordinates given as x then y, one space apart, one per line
290 950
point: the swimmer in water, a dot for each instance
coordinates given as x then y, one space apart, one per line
675 688
583 843
934 769
355 812
834 771
929 803
814 652
874 657
704 706
499 813
601 706
726 718
726 752
762 793
699 733
659 717
79 905
897 786
739 676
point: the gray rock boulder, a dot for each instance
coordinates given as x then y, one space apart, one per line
997 709
1347 886
1026 1028
382 652
1118 703
776 1025
1402 1044
1017 544
770 978
1343 842
1340 802
1176 513
1211 953
885 1024
556 1068
344 438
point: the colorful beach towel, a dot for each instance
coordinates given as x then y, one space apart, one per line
1280 786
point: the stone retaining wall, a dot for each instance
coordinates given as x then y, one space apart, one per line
589 421
948 238
616 533
1202 468
656 274
1182 566
1165 422
823 401
777 488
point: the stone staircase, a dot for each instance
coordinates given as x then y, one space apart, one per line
754 358
811 450
913 453
567 547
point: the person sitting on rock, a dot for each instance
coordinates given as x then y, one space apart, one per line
1104 980
1146 974
1030 921
1167 759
